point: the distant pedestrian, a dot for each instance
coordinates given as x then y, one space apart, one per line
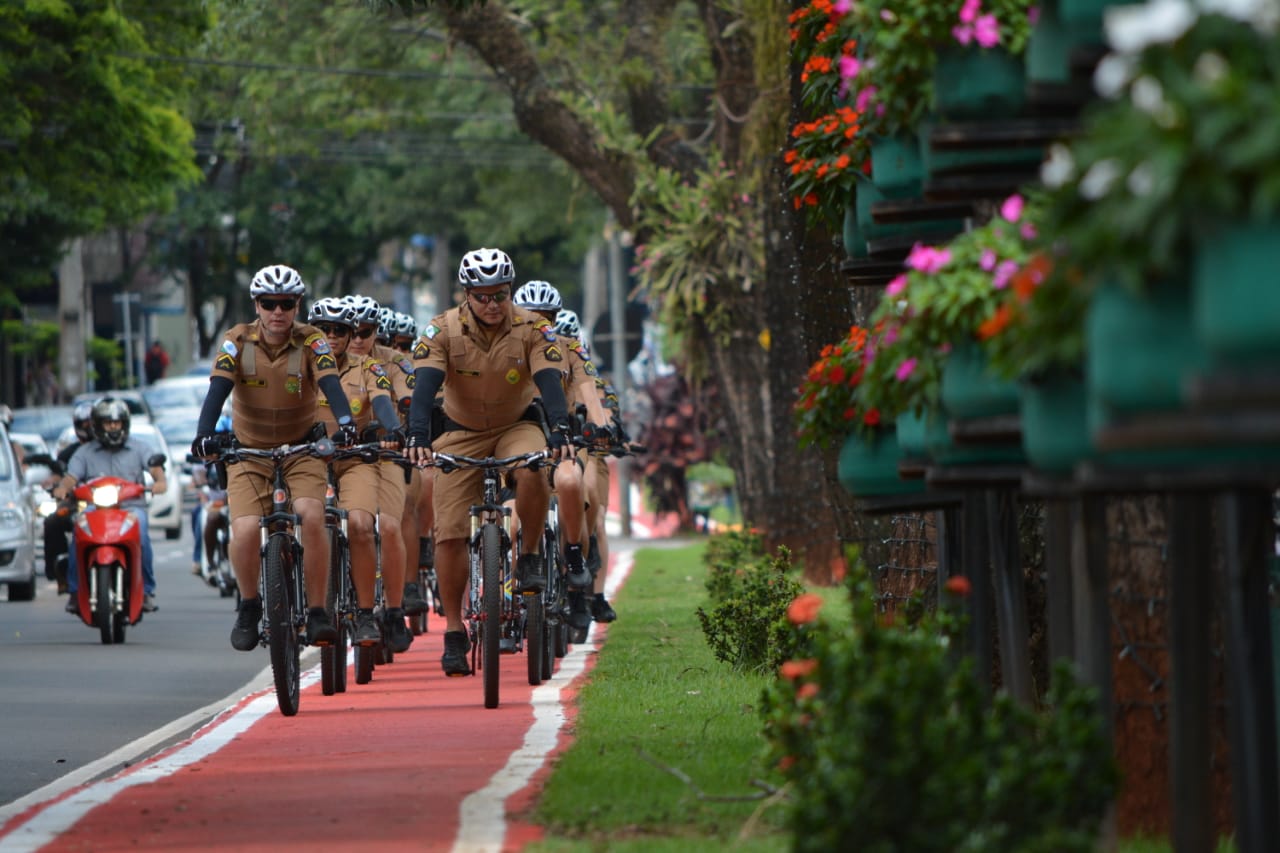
156 362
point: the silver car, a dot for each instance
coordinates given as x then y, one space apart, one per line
17 536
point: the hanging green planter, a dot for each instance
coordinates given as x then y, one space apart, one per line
869 465
1089 12
1236 303
855 245
912 432
1053 40
943 450
895 163
1055 429
1141 349
972 83
970 390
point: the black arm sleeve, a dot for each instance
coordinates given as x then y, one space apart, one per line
385 410
332 388
426 382
219 390
548 381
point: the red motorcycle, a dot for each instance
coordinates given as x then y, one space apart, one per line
109 592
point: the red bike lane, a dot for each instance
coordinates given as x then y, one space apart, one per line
410 761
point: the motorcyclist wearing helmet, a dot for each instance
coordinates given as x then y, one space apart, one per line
368 389
397 501
274 370
497 359
579 376
57 525
112 454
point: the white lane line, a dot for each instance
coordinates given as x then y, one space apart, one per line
482 823
44 826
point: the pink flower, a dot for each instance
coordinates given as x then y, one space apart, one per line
896 286
890 335
1011 209
1003 273
1033 15
905 369
988 260
987 31
842 7
964 34
969 11
849 67
864 99
927 259
1028 231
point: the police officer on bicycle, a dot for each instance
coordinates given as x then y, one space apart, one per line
492 359
274 370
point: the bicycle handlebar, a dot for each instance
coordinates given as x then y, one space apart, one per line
372 451
450 462
324 448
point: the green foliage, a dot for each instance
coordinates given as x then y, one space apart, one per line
746 627
36 339
1186 143
884 736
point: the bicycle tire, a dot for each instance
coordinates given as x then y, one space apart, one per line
282 633
333 657
103 616
535 634
491 581
364 664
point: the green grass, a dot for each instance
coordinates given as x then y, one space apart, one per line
657 704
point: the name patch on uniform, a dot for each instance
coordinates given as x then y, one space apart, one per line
226 362
553 354
254 383
431 332
513 376
326 361
466 372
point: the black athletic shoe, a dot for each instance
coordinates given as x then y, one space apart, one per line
529 573
73 605
320 631
454 659
600 609
579 615
593 559
244 636
395 632
367 633
577 574
414 603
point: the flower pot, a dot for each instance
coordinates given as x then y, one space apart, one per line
1055 429
912 432
1236 305
855 245
895 163
943 449
971 83
1140 348
868 194
1085 11
869 465
970 390
1053 41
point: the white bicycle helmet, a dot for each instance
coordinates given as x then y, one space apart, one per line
332 309
538 296
386 324
277 280
404 326
485 268
567 324
367 309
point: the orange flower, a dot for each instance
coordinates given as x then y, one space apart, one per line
808 690
1033 273
786 762
794 669
958 585
804 609
996 323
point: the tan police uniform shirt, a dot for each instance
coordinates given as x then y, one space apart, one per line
364 379
488 384
275 391
400 368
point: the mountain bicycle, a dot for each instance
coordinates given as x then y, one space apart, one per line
281 579
491 610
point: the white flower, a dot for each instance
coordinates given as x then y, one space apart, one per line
1113 73
1131 28
1058 168
1210 68
1263 14
1141 180
1147 95
1098 181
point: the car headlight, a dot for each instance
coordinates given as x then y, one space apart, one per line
10 517
106 496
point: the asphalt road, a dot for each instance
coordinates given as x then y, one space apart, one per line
66 700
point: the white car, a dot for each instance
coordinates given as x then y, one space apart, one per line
165 511
17 533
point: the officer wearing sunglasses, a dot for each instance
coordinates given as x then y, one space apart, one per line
274 370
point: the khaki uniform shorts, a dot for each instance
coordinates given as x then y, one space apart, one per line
457 491
249 483
357 485
600 495
391 490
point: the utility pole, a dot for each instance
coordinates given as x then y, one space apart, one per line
125 301
74 322
618 359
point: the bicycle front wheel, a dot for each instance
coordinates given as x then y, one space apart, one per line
333 657
491 583
535 634
282 633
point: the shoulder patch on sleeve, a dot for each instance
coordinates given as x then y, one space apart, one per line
431 332
421 350
229 347
590 369
405 365
326 361
376 368
545 328
225 361
318 343
553 354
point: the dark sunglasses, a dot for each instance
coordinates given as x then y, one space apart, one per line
364 333
334 329
273 304
485 298
404 346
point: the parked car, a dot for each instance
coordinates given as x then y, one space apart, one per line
179 429
32 443
165 512
181 392
47 421
132 398
203 367
17 532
